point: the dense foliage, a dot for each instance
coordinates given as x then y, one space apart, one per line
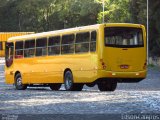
154 27
46 15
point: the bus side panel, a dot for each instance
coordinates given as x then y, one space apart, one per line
48 71
19 68
26 69
51 69
2 50
41 71
84 76
9 75
84 68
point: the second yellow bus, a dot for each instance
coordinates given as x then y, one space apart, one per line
4 37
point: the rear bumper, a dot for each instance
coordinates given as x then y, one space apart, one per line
122 75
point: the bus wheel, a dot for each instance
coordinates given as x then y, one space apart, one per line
55 86
69 84
18 83
107 85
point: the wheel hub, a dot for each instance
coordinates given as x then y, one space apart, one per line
19 81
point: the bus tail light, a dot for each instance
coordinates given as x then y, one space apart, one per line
145 65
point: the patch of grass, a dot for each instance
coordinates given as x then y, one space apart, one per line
151 65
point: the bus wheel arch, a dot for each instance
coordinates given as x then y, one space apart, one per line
17 72
69 81
18 81
67 69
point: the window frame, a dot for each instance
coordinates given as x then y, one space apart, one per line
30 48
68 44
41 47
82 43
15 50
53 46
93 41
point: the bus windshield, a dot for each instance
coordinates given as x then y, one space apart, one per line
9 54
123 37
1 46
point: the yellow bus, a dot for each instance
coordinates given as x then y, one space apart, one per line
101 54
5 35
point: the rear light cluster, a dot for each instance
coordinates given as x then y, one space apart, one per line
103 64
145 65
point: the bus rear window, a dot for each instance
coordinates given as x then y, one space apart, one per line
124 37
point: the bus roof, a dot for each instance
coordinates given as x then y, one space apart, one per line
69 30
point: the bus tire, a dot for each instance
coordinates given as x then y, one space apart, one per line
69 83
55 86
18 82
107 85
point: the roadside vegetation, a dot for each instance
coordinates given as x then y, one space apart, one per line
47 15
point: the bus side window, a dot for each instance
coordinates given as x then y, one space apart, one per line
19 50
29 50
1 46
41 47
68 44
82 42
54 45
93 41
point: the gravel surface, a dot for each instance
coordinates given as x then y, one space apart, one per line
143 97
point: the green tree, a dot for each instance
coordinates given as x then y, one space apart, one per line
138 11
115 11
40 15
154 29
31 15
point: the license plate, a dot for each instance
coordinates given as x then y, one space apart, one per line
124 66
